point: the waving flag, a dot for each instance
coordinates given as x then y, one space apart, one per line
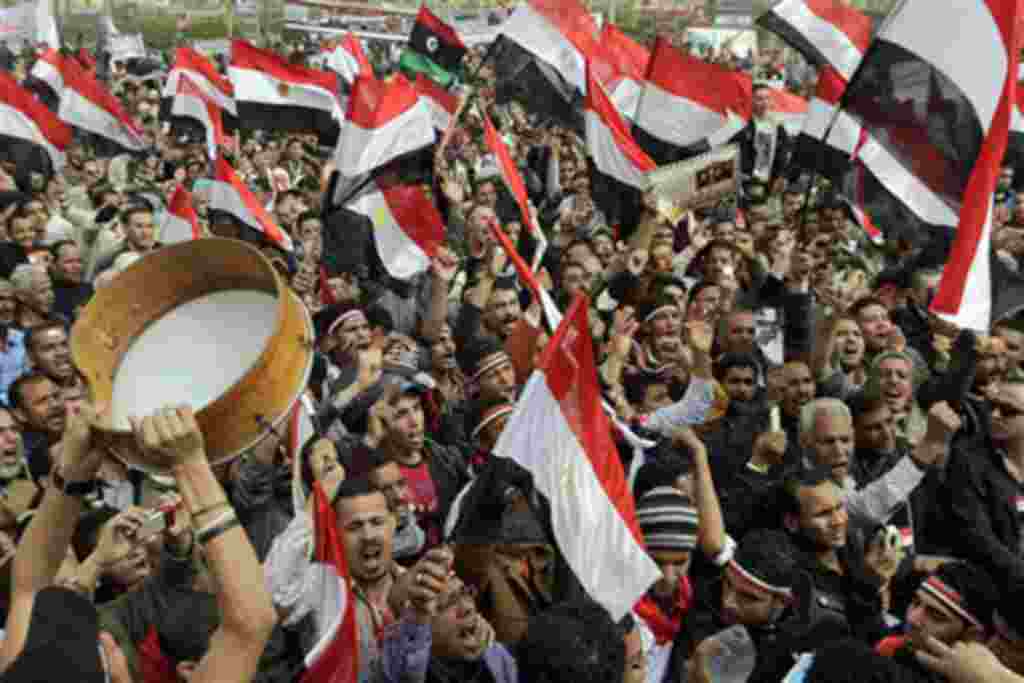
825 32
230 195
334 658
577 468
348 59
442 103
32 136
181 224
274 94
49 70
561 33
407 227
434 50
192 102
629 60
609 143
935 135
86 104
385 120
789 109
203 73
688 102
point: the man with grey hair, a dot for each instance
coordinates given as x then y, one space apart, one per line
33 293
826 435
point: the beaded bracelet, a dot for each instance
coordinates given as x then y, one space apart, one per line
214 530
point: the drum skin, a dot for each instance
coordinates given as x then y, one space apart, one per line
166 279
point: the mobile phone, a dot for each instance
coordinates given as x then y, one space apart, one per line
891 538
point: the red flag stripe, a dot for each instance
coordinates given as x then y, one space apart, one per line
54 131
417 215
709 85
238 200
77 79
373 103
509 172
248 57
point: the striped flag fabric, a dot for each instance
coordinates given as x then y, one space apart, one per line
384 121
230 195
442 103
202 72
348 59
514 182
687 102
435 49
274 94
830 157
191 101
49 70
31 136
335 657
576 467
407 227
941 127
561 33
825 32
85 103
609 143
789 109
629 60
181 224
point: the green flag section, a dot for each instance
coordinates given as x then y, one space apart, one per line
437 41
413 63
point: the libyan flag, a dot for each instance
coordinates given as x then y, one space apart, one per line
435 49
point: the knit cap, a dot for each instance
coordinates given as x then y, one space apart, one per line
667 519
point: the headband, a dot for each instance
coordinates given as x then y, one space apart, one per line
737 571
491 416
495 359
344 317
952 599
659 309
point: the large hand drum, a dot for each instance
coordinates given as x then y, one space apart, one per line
208 323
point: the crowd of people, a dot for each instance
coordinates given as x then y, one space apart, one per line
833 488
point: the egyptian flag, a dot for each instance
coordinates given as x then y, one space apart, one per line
832 157
407 227
86 59
688 105
1015 146
533 244
620 166
230 195
335 656
576 468
47 77
274 94
629 60
521 76
561 33
348 59
933 115
825 32
385 120
32 137
87 104
442 103
190 101
435 49
181 224
204 74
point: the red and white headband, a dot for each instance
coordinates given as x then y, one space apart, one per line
950 598
354 314
741 575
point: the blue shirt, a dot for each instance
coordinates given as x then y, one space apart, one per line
13 362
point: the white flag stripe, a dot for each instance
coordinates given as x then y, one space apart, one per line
608 158
535 34
224 101
175 229
930 40
223 197
332 601
80 111
16 124
441 117
49 74
257 86
626 97
195 108
976 303
399 253
834 45
675 120
361 150
343 62
584 518
905 185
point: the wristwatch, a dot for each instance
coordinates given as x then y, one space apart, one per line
76 489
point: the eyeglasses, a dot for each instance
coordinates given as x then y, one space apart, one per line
1006 410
